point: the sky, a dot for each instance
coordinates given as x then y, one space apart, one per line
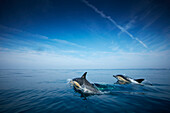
84 34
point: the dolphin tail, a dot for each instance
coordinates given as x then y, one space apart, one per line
84 75
139 80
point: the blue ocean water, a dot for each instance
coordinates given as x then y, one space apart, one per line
49 91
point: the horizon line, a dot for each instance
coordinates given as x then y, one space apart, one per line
92 69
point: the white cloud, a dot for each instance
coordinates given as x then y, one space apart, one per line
29 59
37 60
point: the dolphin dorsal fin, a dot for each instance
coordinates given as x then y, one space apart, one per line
84 75
139 80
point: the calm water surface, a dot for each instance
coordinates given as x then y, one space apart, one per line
49 91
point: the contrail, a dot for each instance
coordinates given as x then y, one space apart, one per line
113 21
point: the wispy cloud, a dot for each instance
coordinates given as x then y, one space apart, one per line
129 25
154 19
10 30
14 30
151 14
68 43
114 22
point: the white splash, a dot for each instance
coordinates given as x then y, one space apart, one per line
133 81
68 81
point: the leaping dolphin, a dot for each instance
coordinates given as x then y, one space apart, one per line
124 80
81 84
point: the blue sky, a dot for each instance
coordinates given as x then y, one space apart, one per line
80 34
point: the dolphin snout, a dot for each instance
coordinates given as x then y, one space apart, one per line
114 76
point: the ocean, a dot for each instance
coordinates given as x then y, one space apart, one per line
48 90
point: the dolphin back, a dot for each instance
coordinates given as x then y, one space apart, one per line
84 75
84 85
139 80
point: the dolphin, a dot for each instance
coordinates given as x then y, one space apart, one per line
83 86
125 80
